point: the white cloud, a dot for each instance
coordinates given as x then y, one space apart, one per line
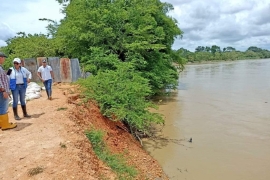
22 16
236 23
5 31
233 7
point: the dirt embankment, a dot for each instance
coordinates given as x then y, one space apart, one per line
52 144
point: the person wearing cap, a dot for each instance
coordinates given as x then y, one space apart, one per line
46 75
19 78
4 94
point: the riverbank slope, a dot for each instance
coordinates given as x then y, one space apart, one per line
52 144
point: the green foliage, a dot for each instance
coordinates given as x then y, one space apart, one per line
63 145
99 60
133 60
96 139
229 53
228 49
215 49
61 109
135 31
115 161
121 94
8 61
28 46
254 49
35 171
118 26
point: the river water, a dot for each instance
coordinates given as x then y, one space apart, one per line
225 108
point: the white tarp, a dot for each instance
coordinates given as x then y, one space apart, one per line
32 92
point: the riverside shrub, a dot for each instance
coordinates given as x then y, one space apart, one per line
121 95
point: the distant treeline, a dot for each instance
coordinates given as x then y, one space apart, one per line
215 53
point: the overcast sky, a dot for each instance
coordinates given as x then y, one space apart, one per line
236 23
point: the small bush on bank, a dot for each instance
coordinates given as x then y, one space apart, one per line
121 95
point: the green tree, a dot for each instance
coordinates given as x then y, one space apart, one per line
202 56
199 49
254 49
29 46
228 53
127 45
265 54
229 49
215 49
139 31
249 54
207 49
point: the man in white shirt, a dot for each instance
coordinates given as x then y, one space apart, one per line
46 75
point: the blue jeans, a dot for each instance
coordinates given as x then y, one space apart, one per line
48 87
19 91
3 104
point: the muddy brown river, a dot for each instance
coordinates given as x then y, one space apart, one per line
225 108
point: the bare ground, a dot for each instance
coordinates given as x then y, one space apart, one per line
52 145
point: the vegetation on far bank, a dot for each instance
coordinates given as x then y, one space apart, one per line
214 53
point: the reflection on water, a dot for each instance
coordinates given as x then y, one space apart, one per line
224 107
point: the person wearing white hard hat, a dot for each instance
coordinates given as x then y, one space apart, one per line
19 78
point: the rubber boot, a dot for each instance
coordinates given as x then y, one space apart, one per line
24 111
5 124
15 112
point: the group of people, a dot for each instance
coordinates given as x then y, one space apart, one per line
15 80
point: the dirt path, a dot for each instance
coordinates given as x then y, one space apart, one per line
50 145
36 142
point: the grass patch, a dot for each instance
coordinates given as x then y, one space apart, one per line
61 109
115 161
62 145
35 171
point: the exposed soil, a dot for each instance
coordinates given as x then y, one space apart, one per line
52 145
